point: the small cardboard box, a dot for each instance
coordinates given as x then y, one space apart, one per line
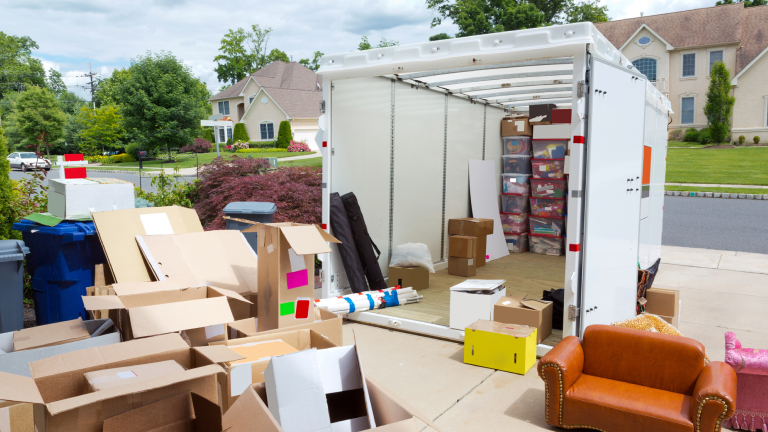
328 324
495 345
78 198
49 335
252 356
414 277
665 303
541 114
186 412
462 266
561 116
286 256
516 126
118 230
110 378
474 299
555 131
473 227
521 310
462 246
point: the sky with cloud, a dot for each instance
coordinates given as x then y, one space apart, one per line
108 33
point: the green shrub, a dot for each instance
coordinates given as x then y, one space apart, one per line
263 144
230 141
208 135
676 135
240 134
756 139
123 157
691 135
284 135
260 150
133 150
742 138
704 136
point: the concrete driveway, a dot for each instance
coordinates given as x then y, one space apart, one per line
720 291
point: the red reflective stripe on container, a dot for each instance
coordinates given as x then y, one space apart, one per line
325 143
573 247
578 139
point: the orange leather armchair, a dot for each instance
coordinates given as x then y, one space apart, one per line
623 380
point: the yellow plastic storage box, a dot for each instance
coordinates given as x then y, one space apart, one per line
506 347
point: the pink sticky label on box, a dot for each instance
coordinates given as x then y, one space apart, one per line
297 279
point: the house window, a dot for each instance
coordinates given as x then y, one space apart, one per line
267 131
689 65
714 57
645 40
224 107
647 67
686 111
250 99
221 135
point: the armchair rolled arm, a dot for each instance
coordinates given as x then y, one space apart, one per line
559 369
714 397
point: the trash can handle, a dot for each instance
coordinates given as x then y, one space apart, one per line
73 237
85 228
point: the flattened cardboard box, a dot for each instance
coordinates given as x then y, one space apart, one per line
286 253
529 312
110 378
49 335
414 277
326 323
186 412
118 230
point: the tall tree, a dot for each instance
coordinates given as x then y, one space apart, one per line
107 87
18 69
235 61
313 64
39 118
439 36
70 102
276 54
747 3
587 12
719 106
55 83
160 92
383 43
100 129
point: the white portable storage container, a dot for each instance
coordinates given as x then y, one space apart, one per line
401 124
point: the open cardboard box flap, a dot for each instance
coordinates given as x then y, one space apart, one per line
137 297
51 334
304 239
18 388
523 301
171 414
219 354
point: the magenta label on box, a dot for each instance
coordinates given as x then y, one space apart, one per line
297 279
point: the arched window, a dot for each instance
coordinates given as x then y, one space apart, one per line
267 131
647 67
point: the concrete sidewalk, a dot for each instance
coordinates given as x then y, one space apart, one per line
720 291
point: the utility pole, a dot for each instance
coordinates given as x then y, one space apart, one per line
93 89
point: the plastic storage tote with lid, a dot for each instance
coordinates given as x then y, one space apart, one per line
515 145
547 225
515 183
548 168
514 223
262 212
548 188
549 148
61 262
12 254
546 245
516 164
548 207
517 243
515 203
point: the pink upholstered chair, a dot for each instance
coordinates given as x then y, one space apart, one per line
751 366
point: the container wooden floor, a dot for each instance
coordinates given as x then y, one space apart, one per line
525 273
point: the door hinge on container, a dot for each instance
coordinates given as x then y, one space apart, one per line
581 89
573 312
333 151
322 106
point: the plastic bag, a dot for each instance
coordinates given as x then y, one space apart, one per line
412 255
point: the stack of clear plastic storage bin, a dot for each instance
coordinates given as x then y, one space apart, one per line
549 186
515 189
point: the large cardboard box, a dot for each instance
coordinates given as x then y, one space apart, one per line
253 355
110 378
495 345
153 308
665 303
473 227
516 126
326 323
118 230
79 198
57 382
286 256
465 267
17 416
186 412
521 310
462 246
414 277
474 299
49 335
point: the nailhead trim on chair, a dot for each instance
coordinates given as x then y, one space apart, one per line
719 419
546 387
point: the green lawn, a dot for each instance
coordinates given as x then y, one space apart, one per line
310 162
684 144
712 189
188 161
742 166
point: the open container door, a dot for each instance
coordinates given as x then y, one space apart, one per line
612 194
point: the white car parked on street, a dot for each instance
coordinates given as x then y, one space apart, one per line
28 161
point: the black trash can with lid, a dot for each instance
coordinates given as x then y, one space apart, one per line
262 212
12 254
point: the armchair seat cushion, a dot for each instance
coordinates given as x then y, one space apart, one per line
619 406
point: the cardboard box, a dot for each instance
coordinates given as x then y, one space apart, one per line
555 131
186 412
17 416
78 198
495 345
118 230
286 256
462 266
391 414
328 324
541 114
110 378
49 335
516 126
327 387
154 308
219 258
665 303
474 227
474 299
462 246
414 277
57 382
561 116
521 310
252 356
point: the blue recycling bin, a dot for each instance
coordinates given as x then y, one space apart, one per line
262 212
61 263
